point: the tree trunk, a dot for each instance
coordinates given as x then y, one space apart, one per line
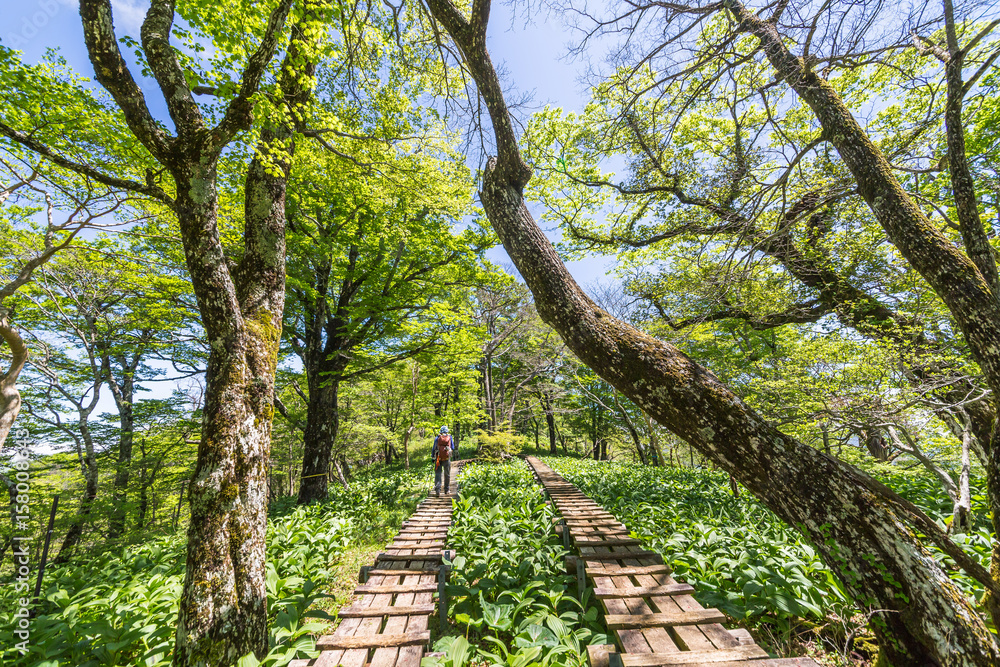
322 424
123 390
550 421
223 608
876 445
222 614
10 397
180 503
654 443
406 445
961 518
90 474
806 488
856 525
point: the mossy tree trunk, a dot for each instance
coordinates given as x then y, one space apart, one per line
222 614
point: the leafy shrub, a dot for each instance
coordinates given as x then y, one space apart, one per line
499 445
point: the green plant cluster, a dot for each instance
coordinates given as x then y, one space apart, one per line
498 445
120 607
511 598
739 556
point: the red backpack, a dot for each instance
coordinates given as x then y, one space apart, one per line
444 449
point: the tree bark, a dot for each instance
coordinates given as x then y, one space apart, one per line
877 558
10 397
322 424
88 465
963 185
123 391
550 421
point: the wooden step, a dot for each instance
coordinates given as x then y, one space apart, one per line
728 657
399 610
428 524
385 556
622 542
401 573
643 591
629 571
334 642
418 532
663 620
619 556
376 589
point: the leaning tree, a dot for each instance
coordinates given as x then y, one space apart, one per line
863 531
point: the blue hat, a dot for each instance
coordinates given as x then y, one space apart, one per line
444 429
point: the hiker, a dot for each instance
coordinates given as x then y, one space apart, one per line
444 445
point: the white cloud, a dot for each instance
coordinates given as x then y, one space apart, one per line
129 15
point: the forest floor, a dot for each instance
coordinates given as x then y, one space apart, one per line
510 595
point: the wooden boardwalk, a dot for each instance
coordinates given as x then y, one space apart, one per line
387 625
654 618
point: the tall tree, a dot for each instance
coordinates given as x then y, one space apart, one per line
222 614
374 260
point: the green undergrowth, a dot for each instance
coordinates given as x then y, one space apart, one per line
739 556
512 603
120 607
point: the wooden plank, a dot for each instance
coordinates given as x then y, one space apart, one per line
333 642
629 571
632 641
619 556
420 537
622 542
658 638
642 591
396 610
361 627
391 557
742 635
661 620
387 657
729 658
395 588
401 572
720 637
687 637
